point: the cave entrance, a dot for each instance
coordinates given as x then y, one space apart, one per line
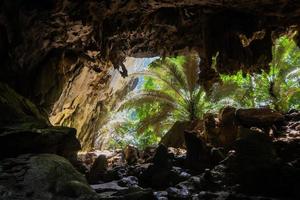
163 99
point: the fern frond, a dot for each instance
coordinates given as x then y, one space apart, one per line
191 71
224 89
164 79
156 118
136 99
176 75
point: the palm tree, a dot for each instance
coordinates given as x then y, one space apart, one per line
174 94
278 88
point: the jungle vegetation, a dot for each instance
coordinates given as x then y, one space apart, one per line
170 92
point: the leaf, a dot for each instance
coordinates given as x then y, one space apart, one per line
191 72
136 99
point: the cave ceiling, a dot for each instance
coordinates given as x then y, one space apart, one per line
98 32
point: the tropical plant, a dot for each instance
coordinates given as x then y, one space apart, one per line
170 93
278 88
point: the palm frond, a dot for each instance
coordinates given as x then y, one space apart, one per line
135 99
155 118
164 79
223 89
295 73
191 71
176 74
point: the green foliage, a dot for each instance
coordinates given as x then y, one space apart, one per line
279 88
170 93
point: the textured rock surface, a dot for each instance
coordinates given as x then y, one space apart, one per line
18 111
43 176
45 45
56 140
258 117
24 129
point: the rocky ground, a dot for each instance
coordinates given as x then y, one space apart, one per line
254 166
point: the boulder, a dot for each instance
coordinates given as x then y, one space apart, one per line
25 129
98 169
175 136
197 154
258 170
43 176
258 117
112 190
228 126
254 150
211 131
54 140
178 193
18 111
293 115
131 154
158 174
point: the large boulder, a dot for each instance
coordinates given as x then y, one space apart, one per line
228 126
258 170
197 154
98 169
26 129
17 111
158 174
55 140
253 151
258 117
43 176
211 131
131 154
175 136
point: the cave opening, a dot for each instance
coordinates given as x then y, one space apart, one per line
172 99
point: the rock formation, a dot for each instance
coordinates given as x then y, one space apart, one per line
52 48
57 60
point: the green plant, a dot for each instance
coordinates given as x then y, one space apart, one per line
170 93
278 88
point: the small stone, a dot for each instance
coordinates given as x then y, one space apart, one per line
131 154
176 193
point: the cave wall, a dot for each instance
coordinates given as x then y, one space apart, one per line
50 49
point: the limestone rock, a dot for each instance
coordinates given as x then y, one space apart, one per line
43 176
158 174
55 140
228 126
211 131
98 169
131 154
112 190
25 129
19 111
197 154
175 136
254 150
258 117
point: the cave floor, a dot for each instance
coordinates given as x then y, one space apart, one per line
258 168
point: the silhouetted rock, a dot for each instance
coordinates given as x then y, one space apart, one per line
175 136
258 117
98 169
158 174
228 126
161 158
197 155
